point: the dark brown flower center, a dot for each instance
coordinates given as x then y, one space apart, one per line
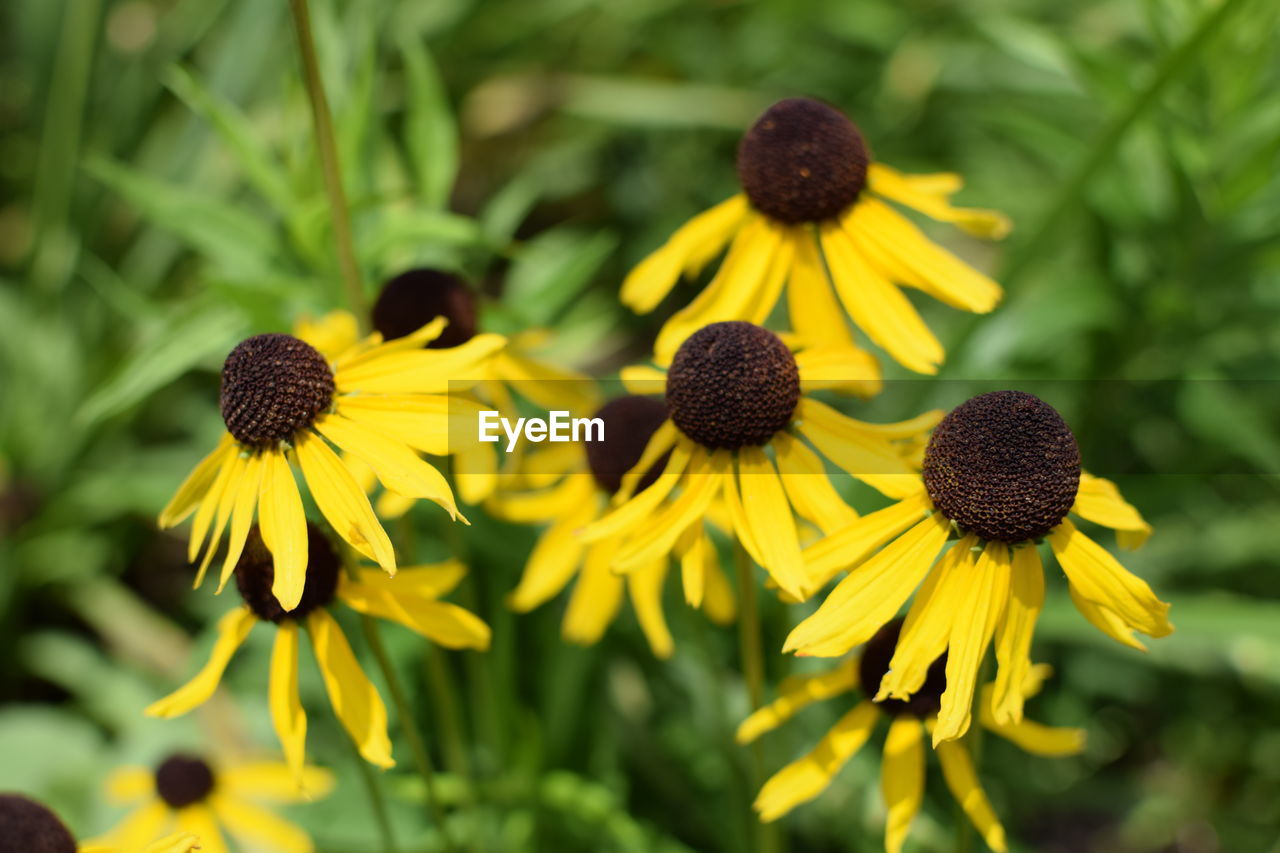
874 663
28 827
183 780
413 299
802 161
629 423
1003 466
732 385
272 387
256 572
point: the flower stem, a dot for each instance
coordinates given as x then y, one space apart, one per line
751 647
376 803
417 744
329 165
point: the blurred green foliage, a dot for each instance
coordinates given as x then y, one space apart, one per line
160 197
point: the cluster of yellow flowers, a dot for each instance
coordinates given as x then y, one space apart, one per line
735 445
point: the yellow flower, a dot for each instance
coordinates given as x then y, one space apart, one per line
902 771
419 296
28 827
1002 471
283 402
813 219
411 599
200 799
733 390
569 486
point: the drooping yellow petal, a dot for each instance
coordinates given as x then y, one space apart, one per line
1014 632
1036 738
795 693
419 371
232 629
718 601
927 628
332 335
902 779
903 254
195 489
596 596
447 624
354 698
643 380
139 828
773 528
640 508
242 512
664 438
737 517
545 504
283 524
127 785
644 585
872 593
553 561
1099 501
429 423
475 468
227 486
697 554
962 780
200 821
250 824
398 468
179 842
928 194
868 457
373 347
809 489
807 777
974 623
702 482
273 781
811 303
1106 621
342 501
839 368
1099 578
287 716
853 543
879 308
427 580
686 251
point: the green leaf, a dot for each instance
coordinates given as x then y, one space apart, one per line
553 269
430 130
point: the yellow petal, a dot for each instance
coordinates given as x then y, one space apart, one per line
354 698
429 423
398 468
811 303
971 630
808 487
928 194
1106 621
1014 633
342 501
200 821
702 481
806 778
179 842
333 334
1099 578
877 307
697 554
545 504
553 560
739 527
1099 501
644 585
1038 739
419 371
127 785
283 524
902 779
195 489
643 380
717 595
228 487
687 251
276 782
232 629
924 634
428 580
773 528
795 693
665 437
254 825
374 347
868 457
596 596
475 468
242 511
447 624
872 593
839 368
902 253
639 508
957 769
853 543
287 716
137 829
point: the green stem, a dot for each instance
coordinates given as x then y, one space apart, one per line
331 168
751 646
417 744
453 739
376 802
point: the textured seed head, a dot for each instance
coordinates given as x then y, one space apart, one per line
28 827
413 299
802 161
183 780
629 423
874 663
731 385
272 387
1003 466
256 572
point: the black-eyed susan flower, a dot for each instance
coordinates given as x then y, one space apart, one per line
733 391
411 599
29 827
902 771
202 798
569 486
1001 471
283 402
418 297
813 217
